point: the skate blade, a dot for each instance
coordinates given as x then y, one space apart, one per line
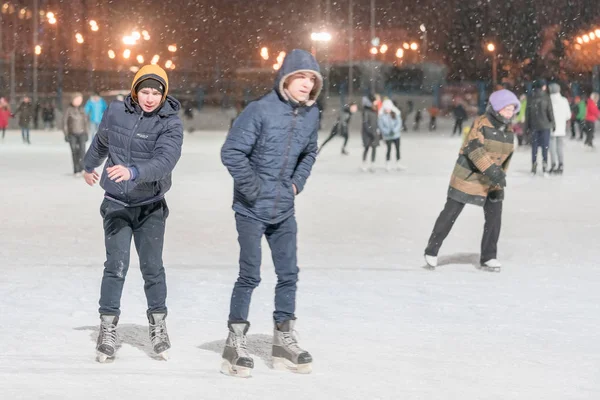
104 358
490 269
283 364
164 355
234 370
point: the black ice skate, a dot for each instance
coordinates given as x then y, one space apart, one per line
107 338
158 334
236 360
534 169
287 355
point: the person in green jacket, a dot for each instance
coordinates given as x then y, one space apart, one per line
582 110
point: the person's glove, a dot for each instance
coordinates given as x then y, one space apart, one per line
496 175
496 195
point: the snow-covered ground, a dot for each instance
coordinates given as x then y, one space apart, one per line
379 325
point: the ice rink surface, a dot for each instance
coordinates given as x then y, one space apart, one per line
378 324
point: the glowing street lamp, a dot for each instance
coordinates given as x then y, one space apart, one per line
146 35
140 59
400 53
264 53
168 64
155 59
374 50
492 49
136 35
126 53
128 40
276 67
38 49
414 46
172 48
383 49
320 37
79 38
586 38
579 40
597 32
406 46
111 54
592 35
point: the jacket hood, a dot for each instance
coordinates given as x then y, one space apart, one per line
170 106
366 102
554 88
150 72
299 61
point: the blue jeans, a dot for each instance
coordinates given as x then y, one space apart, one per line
540 139
93 129
25 135
146 224
282 241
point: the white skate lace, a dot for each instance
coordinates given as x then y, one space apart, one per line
290 339
109 335
158 333
239 342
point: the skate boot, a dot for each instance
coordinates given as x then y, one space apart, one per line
286 353
492 265
552 169
544 169
388 166
559 170
345 152
236 360
365 167
534 169
158 334
107 338
432 261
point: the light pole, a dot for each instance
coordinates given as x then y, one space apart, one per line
351 51
492 49
373 42
424 44
36 14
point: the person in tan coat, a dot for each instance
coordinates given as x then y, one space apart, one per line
479 177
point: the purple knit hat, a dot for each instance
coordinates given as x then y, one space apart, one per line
502 98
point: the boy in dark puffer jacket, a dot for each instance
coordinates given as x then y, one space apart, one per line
141 138
269 152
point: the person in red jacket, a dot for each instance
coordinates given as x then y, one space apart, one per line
592 114
4 115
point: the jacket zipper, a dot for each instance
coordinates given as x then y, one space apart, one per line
133 131
285 161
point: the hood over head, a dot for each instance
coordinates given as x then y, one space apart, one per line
150 72
299 61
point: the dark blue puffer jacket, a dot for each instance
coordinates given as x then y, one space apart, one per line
272 145
150 143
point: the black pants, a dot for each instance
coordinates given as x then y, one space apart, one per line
574 123
432 123
283 243
396 143
3 132
590 127
491 230
334 132
146 224
77 143
458 127
373 153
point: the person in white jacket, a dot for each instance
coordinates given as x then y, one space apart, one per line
562 115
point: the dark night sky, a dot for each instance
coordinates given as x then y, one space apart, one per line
230 32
